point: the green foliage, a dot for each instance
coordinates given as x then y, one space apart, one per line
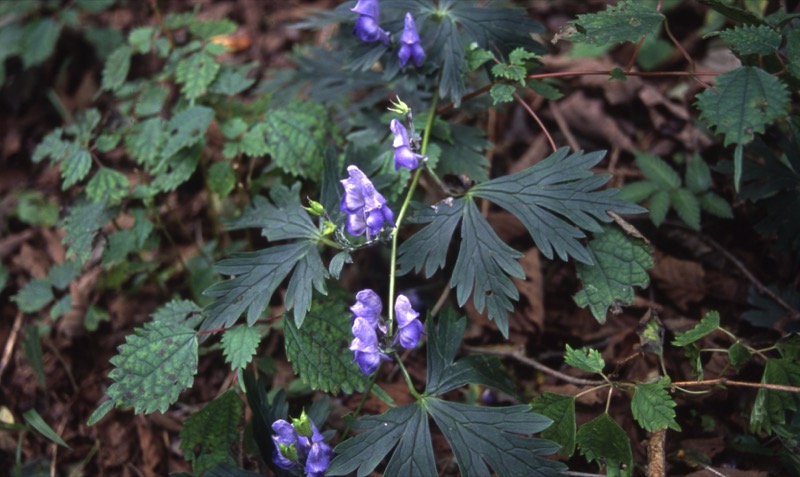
116 68
297 136
586 359
34 296
653 408
34 419
107 186
209 434
34 209
561 409
221 178
82 224
752 39
38 41
620 262
195 73
771 407
708 324
154 365
626 21
239 345
603 441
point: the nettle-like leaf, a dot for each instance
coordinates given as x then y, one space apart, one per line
709 323
239 345
738 354
209 434
620 263
561 409
653 407
145 140
745 101
116 68
34 296
628 20
155 364
658 171
38 41
586 359
107 185
557 198
82 223
195 72
602 440
318 351
186 129
771 407
178 311
686 206
297 137
752 39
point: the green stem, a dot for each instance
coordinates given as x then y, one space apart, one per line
426 136
407 376
360 404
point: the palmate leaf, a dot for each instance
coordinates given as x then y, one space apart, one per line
561 409
770 407
746 100
156 363
239 345
708 323
653 408
603 440
318 351
282 218
752 39
626 21
297 137
463 152
258 275
562 185
427 249
620 263
209 434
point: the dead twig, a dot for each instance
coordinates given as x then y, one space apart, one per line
517 354
729 382
12 339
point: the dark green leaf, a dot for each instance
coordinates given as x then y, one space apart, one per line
620 263
180 168
283 218
82 223
603 441
428 248
692 352
698 175
738 354
115 71
107 185
752 39
61 307
297 137
653 407
561 409
145 140
659 206
239 345
771 407
221 178
628 20
708 324
35 420
687 206
151 101
195 73
232 80
716 205
746 100
177 311
34 296
553 197
187 128
502 93
496 436
155 364
463 150
586 359
32 349
734 13
789 346
209 434
62 274
265 412
38 41
75 167
658 171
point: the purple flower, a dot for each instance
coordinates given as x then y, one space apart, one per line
368 306
365 346
403 155
365 207
409 328
295 450
367 28
409 44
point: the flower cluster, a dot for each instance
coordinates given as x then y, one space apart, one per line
368 30
368 327
365 207
403 155
300 445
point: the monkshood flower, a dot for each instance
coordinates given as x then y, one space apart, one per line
403 155
409 44
368 306
365 347
409 328
365 207
367 28
300 445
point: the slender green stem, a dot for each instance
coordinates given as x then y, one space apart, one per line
426 136
407 376
360 404
592 389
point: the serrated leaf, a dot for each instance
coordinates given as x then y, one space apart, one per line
491 435
187 128
82 223
156 363
716 205
35 420
75 167
692 352
510 72
177 311
145 140
34 296
658 171
445 374
116 68
207 29
38 41
771 407
708 324
586 359
626 21
209 434
746 100
221 178
484 268
477 57
232 80
107 185
62 274
239 345
561 409
195 73
604 441
427 249
752 39
463 152
519 55
738 354
52 146
793 52
257 276
34 209
151 101
620 263
659 206
179 169
687 207
141 39
297 137
553 197
698 175
404 429
282 218
653 407
502 93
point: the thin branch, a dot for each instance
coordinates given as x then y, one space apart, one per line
746 384
538 121
12 339
518 355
